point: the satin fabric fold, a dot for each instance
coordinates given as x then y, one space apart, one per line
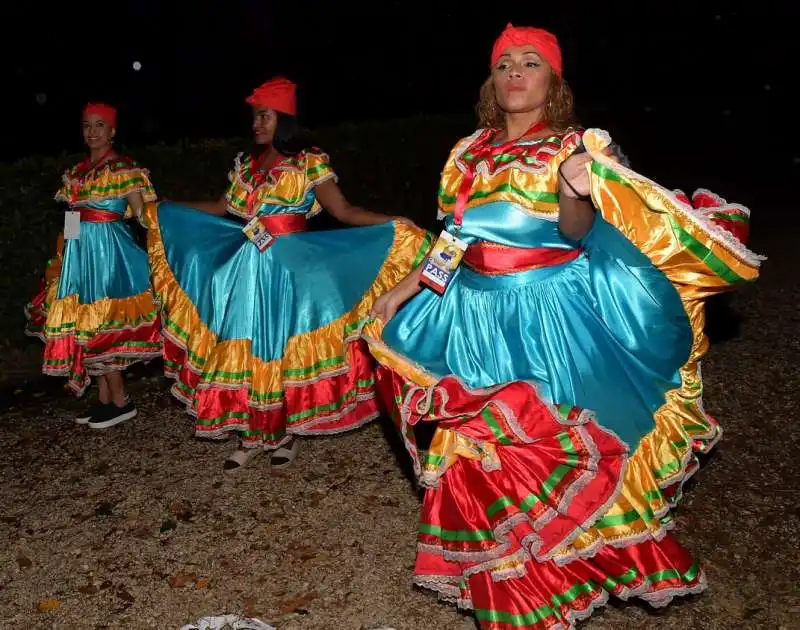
586 330
618 330
106 261
512 482
95 311
266 344
293 287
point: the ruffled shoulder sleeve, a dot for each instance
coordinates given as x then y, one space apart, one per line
130 177
318 167
68 179
241 185
116 179
317 170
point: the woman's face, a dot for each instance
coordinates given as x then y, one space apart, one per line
265 121
97 133
521 79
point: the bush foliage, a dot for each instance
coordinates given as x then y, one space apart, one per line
388 166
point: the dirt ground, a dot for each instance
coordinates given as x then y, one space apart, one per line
137 527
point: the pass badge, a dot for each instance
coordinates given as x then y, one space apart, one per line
442 262
72 225
257 233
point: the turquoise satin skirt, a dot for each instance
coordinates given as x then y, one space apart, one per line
105 262
606 332
304 281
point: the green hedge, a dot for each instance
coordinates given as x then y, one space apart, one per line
389 166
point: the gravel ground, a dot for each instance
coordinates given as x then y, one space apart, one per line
137 527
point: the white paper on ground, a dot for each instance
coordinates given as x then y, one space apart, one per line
235 622
227 622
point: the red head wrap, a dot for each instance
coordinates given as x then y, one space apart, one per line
105 112
545 44
277 94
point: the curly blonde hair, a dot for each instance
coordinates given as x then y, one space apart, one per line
559 109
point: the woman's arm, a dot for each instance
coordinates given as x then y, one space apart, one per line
136 202
331 198
386 305
576 213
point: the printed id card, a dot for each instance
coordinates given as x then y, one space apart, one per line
442 262
72 225
257 233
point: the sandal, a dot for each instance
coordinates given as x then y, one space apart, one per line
284 455
240 458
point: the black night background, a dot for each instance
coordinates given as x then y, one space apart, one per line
137 528
701 84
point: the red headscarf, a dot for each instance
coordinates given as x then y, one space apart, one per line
278 94
105 112
546 44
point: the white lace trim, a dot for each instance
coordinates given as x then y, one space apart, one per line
723 204
443 585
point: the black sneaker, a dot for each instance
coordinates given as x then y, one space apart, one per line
95 410
112 414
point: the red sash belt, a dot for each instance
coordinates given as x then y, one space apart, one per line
278 224
494 259
92 215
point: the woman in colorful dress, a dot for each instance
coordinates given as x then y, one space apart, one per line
261 331
95 312
560 364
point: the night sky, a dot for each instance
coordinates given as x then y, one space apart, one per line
721 75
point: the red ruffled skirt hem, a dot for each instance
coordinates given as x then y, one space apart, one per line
331 403
512 483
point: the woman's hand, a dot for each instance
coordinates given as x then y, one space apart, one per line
574 171
386 305
577 175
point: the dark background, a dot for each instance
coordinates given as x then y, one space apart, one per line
689 89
